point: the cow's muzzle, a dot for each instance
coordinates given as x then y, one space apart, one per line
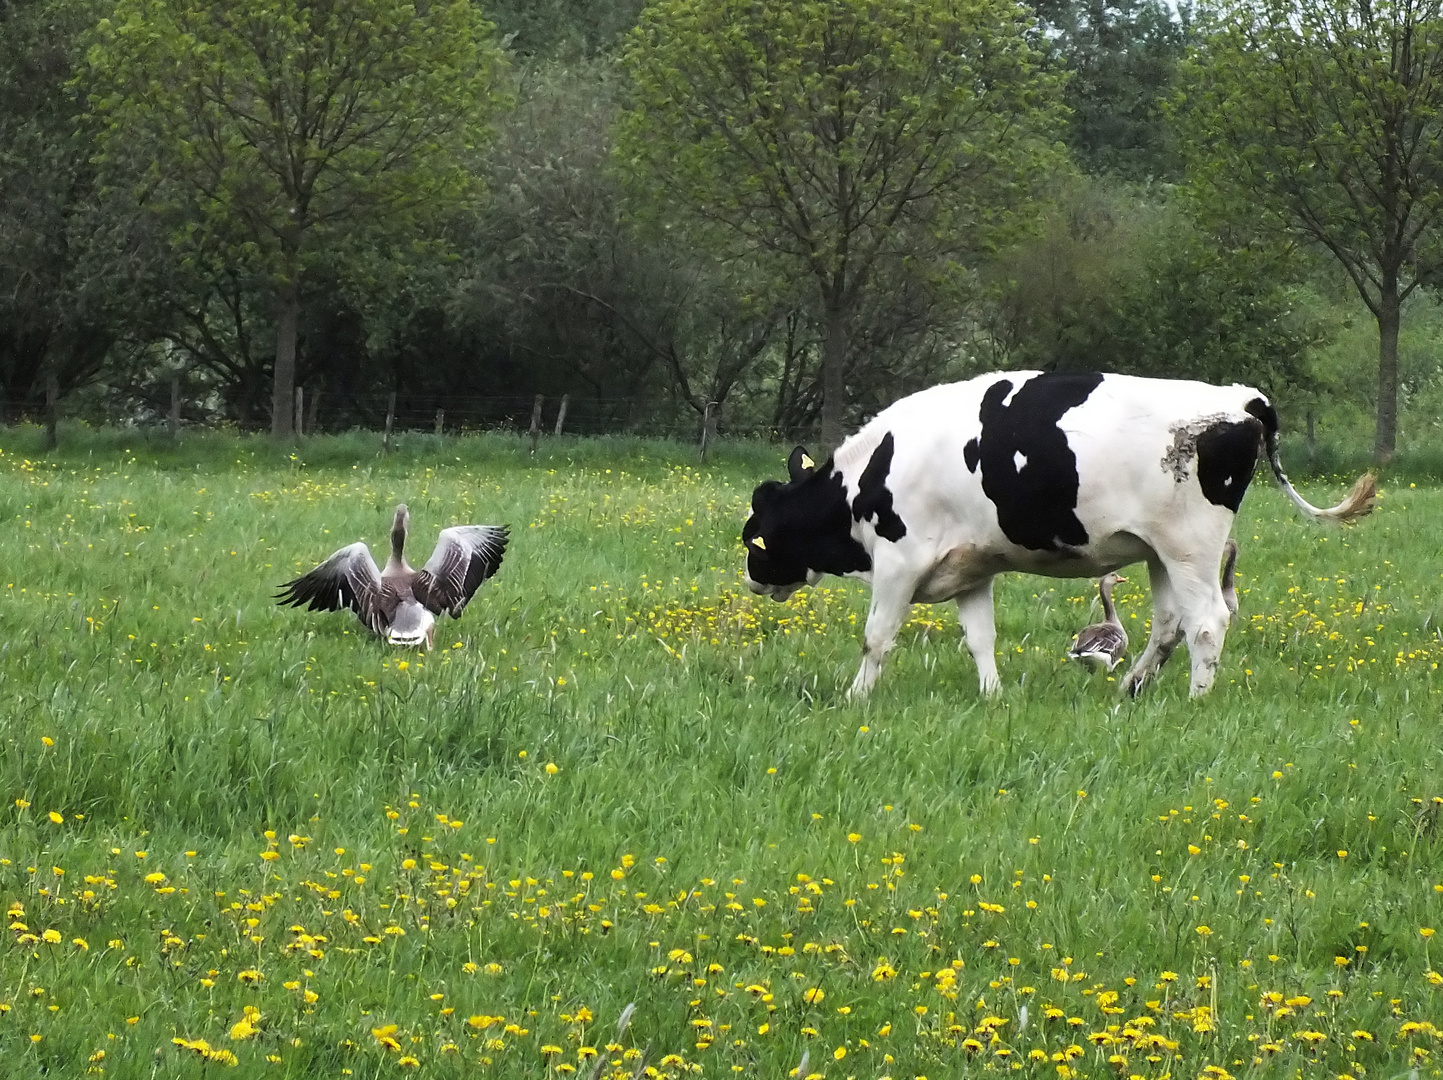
779 593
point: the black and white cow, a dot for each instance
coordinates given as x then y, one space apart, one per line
1065 475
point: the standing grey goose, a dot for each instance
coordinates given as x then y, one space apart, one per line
1230 591
401 603
1102 644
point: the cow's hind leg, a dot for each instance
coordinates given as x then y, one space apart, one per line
1166 629
1204 620
979 631
892 590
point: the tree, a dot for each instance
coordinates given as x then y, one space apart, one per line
1325 118
836 135
292 133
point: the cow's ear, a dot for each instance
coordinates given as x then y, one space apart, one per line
800 463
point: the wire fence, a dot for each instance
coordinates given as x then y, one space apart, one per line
335 410
454 413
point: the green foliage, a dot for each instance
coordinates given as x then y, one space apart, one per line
1121 281
62 294
819 130
549 27
706 753
1121 59
288 128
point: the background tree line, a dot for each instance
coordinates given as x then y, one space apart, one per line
781 216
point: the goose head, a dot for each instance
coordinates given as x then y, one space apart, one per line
1104 590
399 528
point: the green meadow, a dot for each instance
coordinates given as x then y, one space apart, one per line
243 840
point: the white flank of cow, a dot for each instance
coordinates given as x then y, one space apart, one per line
1063 475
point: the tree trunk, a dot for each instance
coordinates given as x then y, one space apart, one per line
708 427
174 424
834 385
1385 441
284 388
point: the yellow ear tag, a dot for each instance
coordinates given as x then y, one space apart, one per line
759 543
807 462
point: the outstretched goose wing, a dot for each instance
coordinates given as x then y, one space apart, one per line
348 579
465 556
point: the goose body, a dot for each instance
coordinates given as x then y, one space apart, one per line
1230 591
1102 644
399 602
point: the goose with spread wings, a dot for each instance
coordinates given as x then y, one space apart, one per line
400 603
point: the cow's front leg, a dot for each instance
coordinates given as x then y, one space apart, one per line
979 631
891 601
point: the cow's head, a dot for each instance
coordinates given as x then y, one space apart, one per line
800 530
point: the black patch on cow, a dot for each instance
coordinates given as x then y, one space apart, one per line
1036 504
874 498
1226 455
806 524
970 454
1266 414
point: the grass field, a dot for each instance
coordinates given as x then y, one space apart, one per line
239 836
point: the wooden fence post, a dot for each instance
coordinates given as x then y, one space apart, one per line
561 414
52 409
390 420
536 422
440 422
300 411
174 423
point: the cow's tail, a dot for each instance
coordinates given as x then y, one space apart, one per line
1358 503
